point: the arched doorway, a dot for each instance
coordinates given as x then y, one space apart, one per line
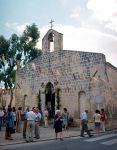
50 99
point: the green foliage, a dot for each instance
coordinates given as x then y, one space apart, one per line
28 41
17 48
4 45
39 99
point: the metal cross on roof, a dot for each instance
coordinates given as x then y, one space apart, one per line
51 23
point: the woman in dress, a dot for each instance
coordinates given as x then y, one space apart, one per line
58 120
97 120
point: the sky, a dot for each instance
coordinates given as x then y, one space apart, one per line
87 25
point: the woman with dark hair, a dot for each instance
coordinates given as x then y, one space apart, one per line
97 120
9 124
103 119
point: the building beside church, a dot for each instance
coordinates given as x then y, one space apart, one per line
5 97
61 78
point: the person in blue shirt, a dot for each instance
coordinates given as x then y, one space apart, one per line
84 122
9 124
24 118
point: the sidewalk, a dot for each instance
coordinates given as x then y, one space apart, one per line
45 134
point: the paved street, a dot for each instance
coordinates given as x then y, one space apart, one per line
106 141
45 134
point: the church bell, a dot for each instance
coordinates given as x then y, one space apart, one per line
50 37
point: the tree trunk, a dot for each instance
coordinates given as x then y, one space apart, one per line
11 98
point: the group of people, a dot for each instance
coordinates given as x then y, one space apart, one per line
31 119
14 120
100 119
99 122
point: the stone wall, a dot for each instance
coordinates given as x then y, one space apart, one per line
84 79
5 96
72 70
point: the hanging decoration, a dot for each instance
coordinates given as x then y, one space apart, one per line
33 66
57 73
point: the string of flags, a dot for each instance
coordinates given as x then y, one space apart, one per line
57 73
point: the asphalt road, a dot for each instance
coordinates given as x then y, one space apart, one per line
101 142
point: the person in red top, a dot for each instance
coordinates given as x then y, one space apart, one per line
103 119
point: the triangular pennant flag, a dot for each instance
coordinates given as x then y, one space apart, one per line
33 66
74 76
71 76
57 73
39 70
79 76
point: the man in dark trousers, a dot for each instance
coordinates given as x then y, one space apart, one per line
84 122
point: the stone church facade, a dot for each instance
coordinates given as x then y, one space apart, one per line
61 78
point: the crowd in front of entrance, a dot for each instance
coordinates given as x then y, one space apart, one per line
13 120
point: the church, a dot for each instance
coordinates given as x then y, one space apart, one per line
75 80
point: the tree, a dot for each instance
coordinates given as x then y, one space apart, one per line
28 41
17 48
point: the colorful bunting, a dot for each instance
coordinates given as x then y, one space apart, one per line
74 76
60 74
79 76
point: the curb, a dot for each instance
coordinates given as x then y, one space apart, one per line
40 140
50 139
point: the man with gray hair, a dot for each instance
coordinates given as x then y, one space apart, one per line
31 116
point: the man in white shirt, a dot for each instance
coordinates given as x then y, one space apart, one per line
31 116
84 122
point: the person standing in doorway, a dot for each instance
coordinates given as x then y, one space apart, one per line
84 124
46 115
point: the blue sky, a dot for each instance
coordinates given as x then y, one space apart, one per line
87 25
